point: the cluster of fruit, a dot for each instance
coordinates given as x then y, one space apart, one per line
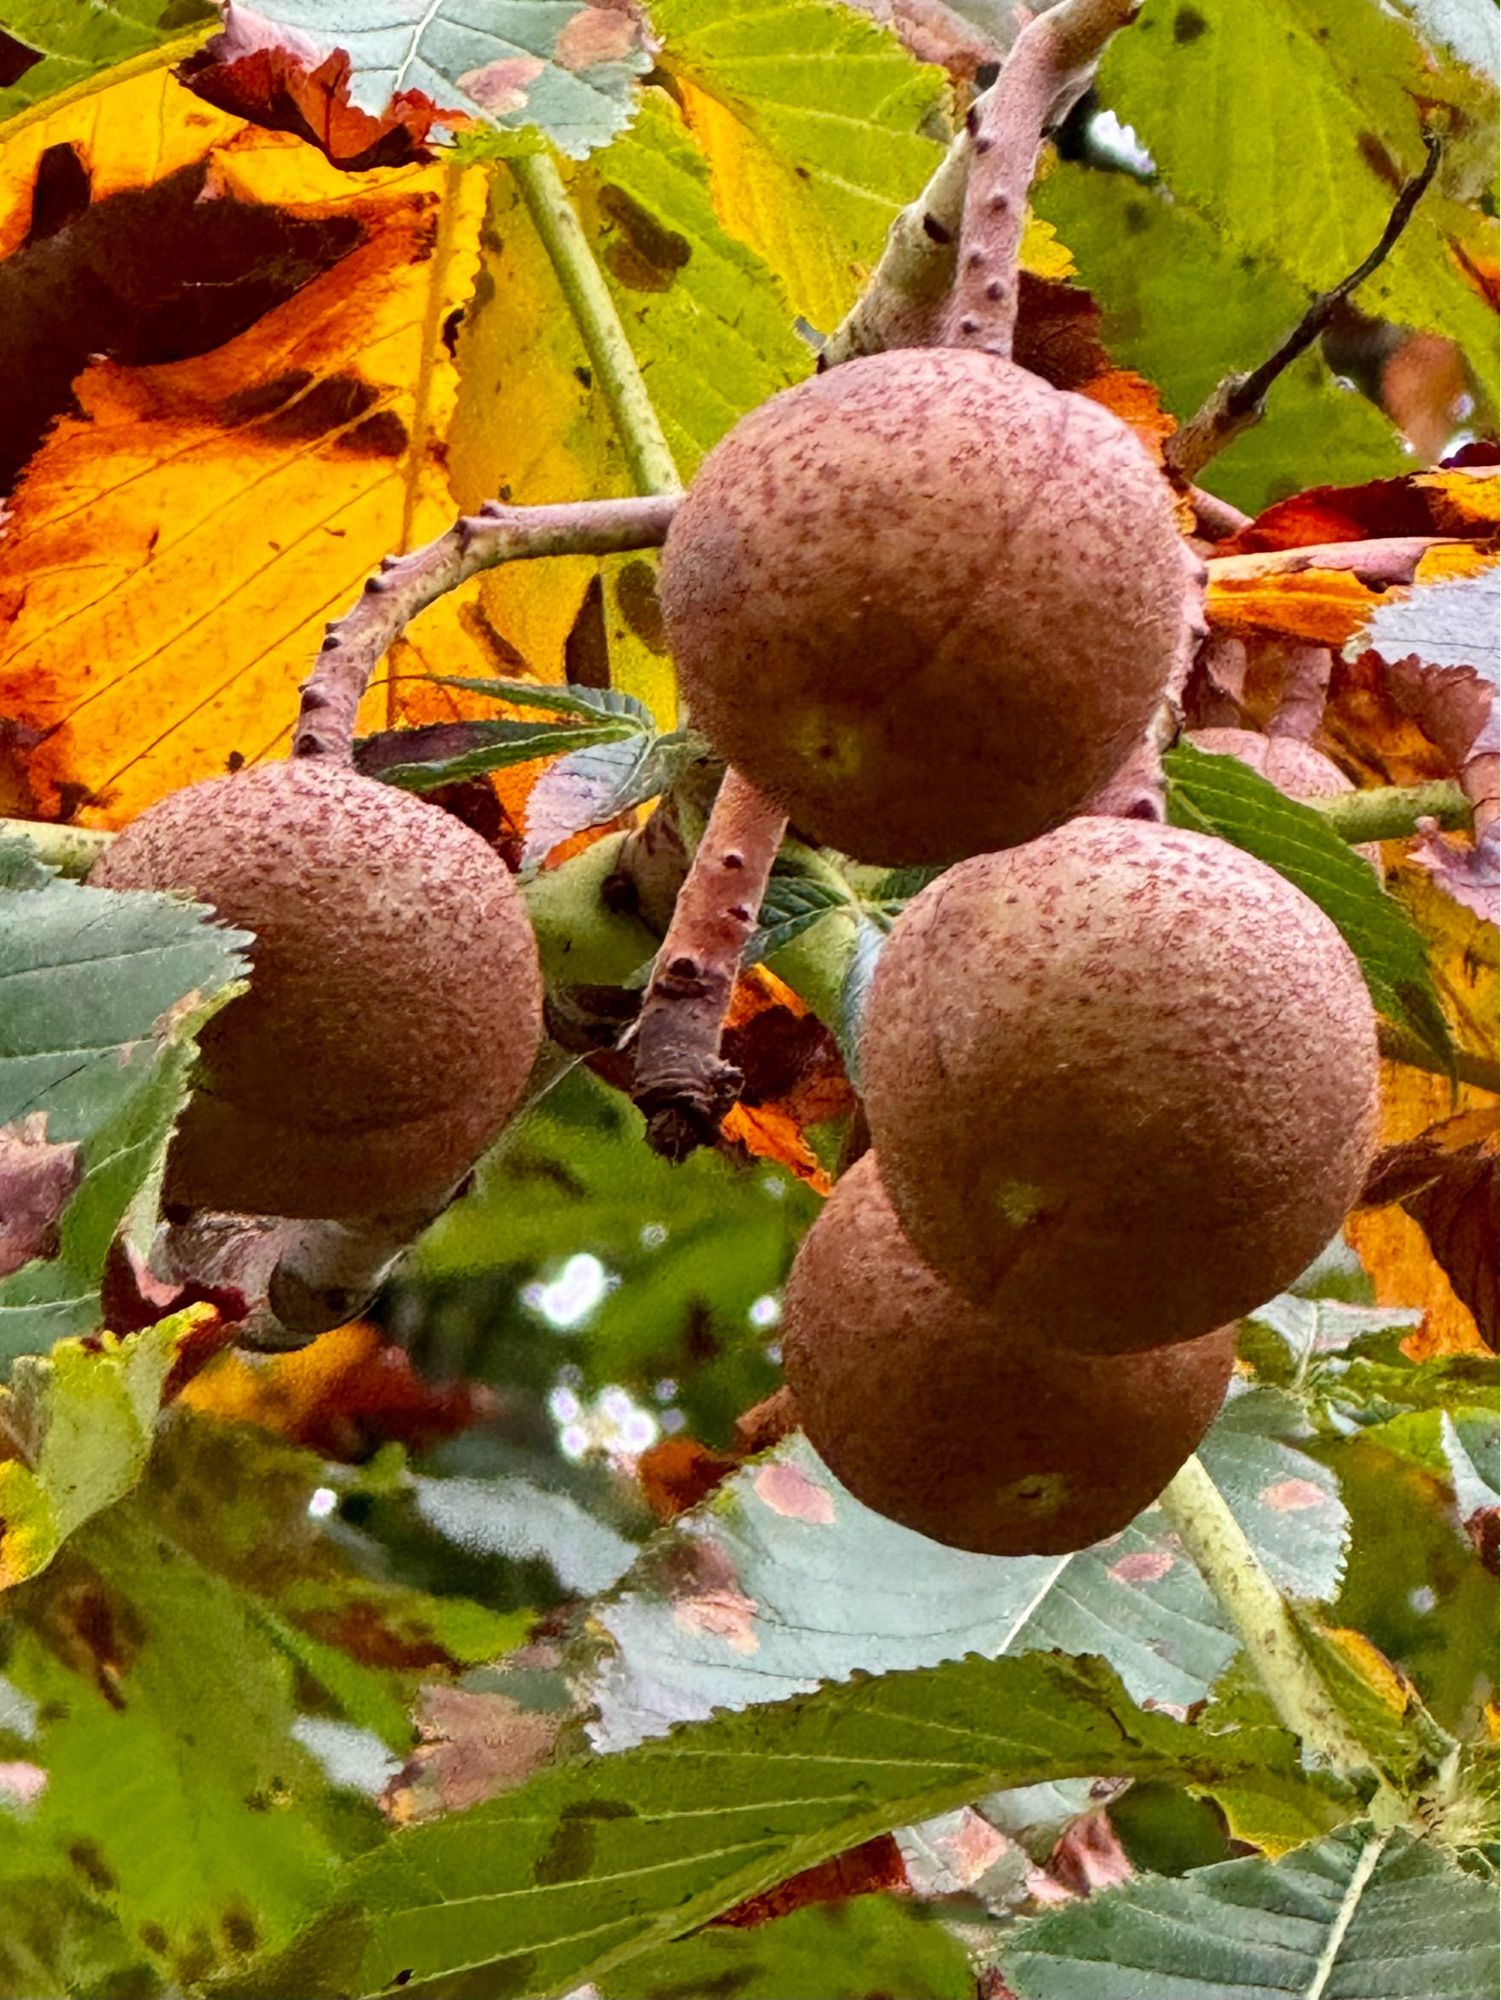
1120 1078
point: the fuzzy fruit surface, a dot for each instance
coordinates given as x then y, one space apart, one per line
1129 1072
394 1009
974 1427
926 602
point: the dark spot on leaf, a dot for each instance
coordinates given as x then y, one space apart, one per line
571 1849
144 276
584 377
381 436
154 1938
1136 217
586 651
641 252
241 1931
1188 25
15 60
452 327
328 405
1379 160
259 399
197 1962
402 1977
507 1979
92 1866
640 606
60 193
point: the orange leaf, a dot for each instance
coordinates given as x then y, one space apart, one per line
1326 607
348 1392
770 1134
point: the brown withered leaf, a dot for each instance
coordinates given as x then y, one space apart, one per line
873 1867
37 1180
677 1472
1457 501
346 1393
274 76
1448 1180
474 1745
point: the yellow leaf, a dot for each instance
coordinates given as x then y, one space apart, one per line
129 136
174 551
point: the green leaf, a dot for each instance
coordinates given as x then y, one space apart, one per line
161 1715
593 1862
1357 1916
101 994
494 745
588 703
816 124
84 1417
1220 795
1185 308
707 319
855 1950
1287 125
75 43
1447 624
688 1251
563 79
1287 1502
781 1579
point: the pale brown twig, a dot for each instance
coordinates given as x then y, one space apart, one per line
682 1084
916 265
1042 74
1381 562
405 585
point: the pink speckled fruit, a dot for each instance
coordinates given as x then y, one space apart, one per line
926 602
1128 1070
973 1426
395 1002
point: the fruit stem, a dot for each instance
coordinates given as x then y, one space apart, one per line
1256 1609
405 585
610 352
682 1084
1042 77
1392 812
916 266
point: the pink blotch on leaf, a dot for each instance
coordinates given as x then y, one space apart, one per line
787 1491
1292 1496
1145 1566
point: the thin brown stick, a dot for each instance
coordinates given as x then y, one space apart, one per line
682 1084
405 585
1042 75
1238 402
1386 560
